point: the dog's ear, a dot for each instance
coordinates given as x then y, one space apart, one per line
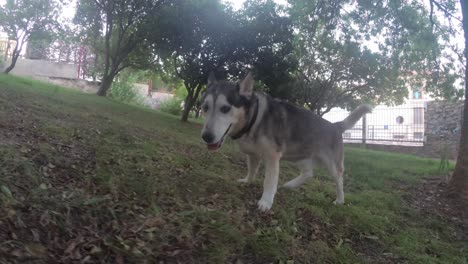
246 85
211 79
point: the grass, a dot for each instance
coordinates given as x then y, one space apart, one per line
84 178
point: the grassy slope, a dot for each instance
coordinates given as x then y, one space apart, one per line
87 177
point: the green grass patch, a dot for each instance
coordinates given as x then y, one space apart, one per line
98 179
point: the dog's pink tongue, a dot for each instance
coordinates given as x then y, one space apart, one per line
213 146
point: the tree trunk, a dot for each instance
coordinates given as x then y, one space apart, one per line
105 85
188 104
458 185
14 59
192 96
95 68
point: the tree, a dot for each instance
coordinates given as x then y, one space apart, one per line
127 25
38 45
214 38
190 50
20 18
339 67
265 43
458 185
88 22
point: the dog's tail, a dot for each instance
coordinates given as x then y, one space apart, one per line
352 119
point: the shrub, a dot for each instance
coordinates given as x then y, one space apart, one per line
172 106
123 91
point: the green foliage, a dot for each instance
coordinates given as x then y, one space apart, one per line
22 18
172 106
445 154
371 52
124 41
215 38
123 90
181 92
265 43
38 45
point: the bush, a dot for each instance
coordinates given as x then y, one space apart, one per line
123 91
172 106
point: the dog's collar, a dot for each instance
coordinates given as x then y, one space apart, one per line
247 128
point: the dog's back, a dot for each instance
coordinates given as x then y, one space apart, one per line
298 133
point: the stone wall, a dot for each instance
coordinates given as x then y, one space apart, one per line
443 127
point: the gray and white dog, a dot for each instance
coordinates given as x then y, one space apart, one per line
270 130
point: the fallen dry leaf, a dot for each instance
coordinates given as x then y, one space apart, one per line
36 250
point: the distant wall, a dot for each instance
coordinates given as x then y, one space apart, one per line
141 88
77 84
34 68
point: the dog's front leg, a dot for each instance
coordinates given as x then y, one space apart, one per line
270 184
253 163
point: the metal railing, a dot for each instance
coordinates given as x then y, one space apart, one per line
386 125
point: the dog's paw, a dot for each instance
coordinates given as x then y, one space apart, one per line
264 205
338 202
243 180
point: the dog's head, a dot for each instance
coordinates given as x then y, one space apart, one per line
224 106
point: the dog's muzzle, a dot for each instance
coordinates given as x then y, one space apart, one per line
208 138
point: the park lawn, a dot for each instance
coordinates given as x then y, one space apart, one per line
87 179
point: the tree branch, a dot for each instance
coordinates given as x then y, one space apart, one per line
99 4
442 8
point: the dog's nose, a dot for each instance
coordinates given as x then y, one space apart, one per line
208 137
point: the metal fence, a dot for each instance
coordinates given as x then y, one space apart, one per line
402 125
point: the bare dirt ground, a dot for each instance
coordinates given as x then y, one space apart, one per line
430 198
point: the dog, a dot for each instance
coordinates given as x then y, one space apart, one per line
269 129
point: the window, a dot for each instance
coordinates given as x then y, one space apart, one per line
400 120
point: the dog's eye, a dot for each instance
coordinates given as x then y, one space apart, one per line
205 108
225 109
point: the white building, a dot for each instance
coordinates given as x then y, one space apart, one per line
390 125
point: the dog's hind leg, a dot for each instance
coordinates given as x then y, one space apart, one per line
253 163
306 167
270 183
334 164
339 186
336 170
